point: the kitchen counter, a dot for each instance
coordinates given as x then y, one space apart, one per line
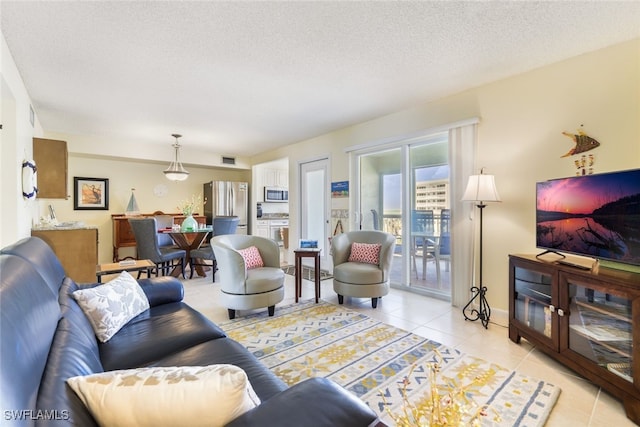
65 226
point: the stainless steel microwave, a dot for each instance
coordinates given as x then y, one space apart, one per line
276 194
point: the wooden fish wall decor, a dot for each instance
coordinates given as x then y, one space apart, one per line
583 143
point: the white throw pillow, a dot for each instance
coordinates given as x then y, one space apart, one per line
167 396
112 305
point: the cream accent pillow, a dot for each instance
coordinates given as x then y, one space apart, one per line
111 306
167 396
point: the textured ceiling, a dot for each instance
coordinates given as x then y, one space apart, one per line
245 77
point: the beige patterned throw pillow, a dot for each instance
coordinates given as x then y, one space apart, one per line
112 305
167 396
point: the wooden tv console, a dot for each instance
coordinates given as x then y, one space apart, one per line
123 235
590 322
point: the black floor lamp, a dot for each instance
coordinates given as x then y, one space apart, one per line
480 188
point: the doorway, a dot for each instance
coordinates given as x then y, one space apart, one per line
314 204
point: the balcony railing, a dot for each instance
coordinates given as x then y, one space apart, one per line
393 224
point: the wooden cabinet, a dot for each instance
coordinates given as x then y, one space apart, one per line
123 235
77 250
51 156
534 294
588 321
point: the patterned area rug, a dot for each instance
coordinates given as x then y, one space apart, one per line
372 359
307 272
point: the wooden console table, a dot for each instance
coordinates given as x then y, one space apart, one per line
123 235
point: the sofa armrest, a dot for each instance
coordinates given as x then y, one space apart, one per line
162 290
315 402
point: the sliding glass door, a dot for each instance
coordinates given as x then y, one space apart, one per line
404 190
380 196
430 209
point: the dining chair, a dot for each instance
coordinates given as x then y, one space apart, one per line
376 219
445 221
221 225
145 231
443 253
225 225
423 246
163 222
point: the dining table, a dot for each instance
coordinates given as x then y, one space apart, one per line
188 241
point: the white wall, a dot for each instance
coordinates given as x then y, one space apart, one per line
520 140
16 145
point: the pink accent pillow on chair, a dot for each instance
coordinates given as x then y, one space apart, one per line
252 258
365 252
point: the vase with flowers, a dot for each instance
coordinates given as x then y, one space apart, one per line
187 207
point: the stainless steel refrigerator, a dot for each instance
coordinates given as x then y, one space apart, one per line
227 198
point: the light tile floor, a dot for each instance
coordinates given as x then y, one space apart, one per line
580 404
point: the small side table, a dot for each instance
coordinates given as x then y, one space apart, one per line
307 253
116 267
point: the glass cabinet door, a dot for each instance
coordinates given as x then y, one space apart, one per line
533 301
600 328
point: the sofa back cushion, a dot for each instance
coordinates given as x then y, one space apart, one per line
158 332
40 254
29 314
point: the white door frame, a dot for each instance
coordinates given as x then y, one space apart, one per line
317 163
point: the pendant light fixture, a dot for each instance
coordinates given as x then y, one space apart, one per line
175 171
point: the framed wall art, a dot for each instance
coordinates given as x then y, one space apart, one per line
90 193
340 189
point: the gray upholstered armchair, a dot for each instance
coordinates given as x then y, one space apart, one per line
362 279
248 288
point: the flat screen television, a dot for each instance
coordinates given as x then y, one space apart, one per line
594 215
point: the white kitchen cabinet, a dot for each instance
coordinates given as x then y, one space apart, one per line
262 228
276 177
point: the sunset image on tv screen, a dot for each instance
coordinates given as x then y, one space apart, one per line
593 215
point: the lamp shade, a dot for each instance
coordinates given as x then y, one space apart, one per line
175 171
481 188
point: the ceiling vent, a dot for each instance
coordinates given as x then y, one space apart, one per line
228 160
